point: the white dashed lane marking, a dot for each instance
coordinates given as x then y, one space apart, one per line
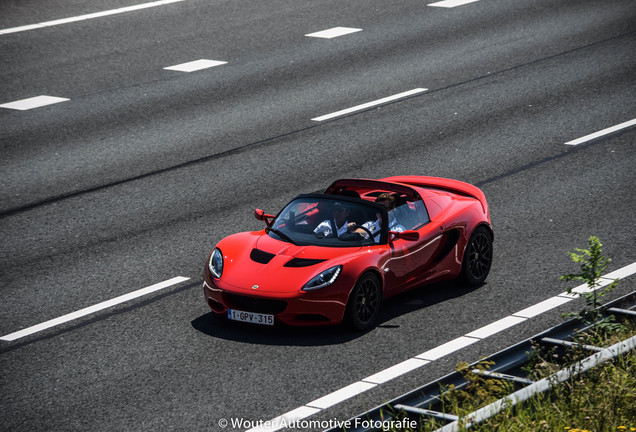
34 102
451 3
603 132
92 309
87 16
195 65
333 32
370 104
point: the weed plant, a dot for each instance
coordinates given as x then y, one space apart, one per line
601 400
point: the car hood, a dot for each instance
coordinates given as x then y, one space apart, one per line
256 262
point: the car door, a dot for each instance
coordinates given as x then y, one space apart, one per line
409 260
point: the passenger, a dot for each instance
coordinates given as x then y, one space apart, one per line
375 227
340 215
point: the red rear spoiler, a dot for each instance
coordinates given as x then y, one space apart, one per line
450 185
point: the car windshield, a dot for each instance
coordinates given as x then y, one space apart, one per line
325 220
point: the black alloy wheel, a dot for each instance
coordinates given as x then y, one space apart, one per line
477 257
365 302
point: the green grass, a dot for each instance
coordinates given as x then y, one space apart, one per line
602 399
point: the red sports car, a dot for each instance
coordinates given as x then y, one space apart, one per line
337 255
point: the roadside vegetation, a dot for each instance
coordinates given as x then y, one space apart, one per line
601 399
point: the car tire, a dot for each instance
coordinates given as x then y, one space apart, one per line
365 301
477 258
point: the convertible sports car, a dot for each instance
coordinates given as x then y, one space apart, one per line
336 256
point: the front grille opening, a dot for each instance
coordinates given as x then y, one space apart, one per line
312 318
215 306
255 304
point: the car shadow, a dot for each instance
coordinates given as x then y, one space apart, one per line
422 298
220 327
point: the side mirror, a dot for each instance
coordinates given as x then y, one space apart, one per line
407 235
262 216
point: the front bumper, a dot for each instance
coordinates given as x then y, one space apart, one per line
320 307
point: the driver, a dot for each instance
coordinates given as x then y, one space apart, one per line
340 214
388 201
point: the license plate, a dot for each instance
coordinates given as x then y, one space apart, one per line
250 317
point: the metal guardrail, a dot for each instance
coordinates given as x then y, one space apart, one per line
602 355
507 364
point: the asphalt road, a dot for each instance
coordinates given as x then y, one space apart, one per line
134 178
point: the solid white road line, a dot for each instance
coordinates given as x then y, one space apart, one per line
604 132
496 327
87 16
451 3
333 32
34 102
370 104
542 307
433 354
622 273
395 371
447 348
602 282
92 309
195 65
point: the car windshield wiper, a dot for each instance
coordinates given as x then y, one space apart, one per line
281 234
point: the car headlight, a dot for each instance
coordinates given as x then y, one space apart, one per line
324 279
216 263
